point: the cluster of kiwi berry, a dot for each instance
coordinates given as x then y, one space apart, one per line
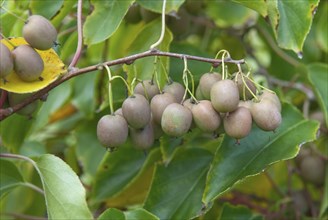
148 113
24 60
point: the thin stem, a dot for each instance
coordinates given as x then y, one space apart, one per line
163 28
13 14
79 36
34 187
110 91
126 84
4 113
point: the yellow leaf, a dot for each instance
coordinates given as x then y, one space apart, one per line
53 68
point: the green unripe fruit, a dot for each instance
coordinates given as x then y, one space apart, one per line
266 95
205 116
238 124
158 104
176 89
313 169
266 115
39 32
206 82
176 120
28 64
136 111
112 130
225 96
151 89
133 15
243 89
7 61
15 99
142 138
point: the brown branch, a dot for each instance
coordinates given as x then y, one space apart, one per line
73 72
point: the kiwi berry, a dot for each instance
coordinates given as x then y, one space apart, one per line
198 94
243 89
205 116
176 120
190 103
112 130
151 89
142 138
28 110
225 96
246 104
176 89
238 124
28 64
266 95
7 61
136 111
158 104
39 32
266 115
119 112
206 82
312 169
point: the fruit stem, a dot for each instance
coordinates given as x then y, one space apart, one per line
165 72
186 72
13 14
144 88
8 41
110 92
155 74
126 84
163 28
262 87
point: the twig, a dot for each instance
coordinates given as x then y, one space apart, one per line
79 36
4 113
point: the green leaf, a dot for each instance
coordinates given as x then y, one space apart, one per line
259 149
260 6
46 8
156 6
291 22
238 212
63 12
84 90
112 214
64 193
318 76
144 68
324 203
115 171
139 214
10 177
321 30
177 188
13 131
88 149
226 14
104 20
137 189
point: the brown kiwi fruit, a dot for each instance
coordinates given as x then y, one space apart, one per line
136 111
225 96
176 120
112 130
28 64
